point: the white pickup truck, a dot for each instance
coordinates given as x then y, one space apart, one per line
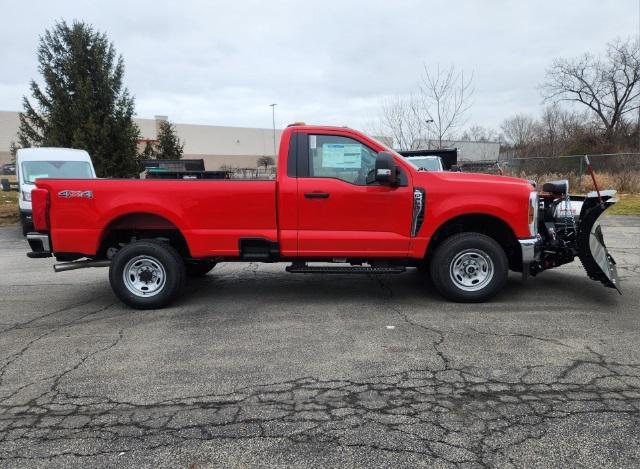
58 163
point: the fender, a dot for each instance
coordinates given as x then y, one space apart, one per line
512 211
442 207
142 209
421 245
450 195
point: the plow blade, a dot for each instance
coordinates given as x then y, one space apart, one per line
592 250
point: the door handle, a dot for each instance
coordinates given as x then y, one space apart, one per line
316 195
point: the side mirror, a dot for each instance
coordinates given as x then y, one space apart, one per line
386 171
455 168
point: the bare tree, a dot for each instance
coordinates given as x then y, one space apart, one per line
478 133
403 119
551 126
608 86
447 97
520 131
572 123
434 111
265 161
557 127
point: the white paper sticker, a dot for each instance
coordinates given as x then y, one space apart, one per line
312 142
341 155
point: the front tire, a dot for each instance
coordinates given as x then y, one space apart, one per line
147 274
27 226
469 268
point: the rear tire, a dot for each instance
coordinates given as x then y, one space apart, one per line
147 274
469 268
199 268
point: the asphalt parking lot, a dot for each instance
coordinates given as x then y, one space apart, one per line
255 367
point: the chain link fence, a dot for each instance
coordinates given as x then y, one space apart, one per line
620 171
252 173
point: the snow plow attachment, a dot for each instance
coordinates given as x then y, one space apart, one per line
591 248
569 227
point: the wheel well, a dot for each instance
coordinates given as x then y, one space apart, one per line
488 225
133 226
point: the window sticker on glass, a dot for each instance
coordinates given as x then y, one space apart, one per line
340 155
312 142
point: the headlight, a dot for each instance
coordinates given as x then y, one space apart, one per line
26 196
533 213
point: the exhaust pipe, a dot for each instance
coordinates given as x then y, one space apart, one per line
64 266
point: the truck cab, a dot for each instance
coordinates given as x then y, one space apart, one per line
341 203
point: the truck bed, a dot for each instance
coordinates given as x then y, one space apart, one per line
212 215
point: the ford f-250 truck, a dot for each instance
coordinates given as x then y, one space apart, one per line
339 197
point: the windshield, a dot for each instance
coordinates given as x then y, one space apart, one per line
32 170
428 164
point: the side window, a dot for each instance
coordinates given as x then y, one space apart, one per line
332 156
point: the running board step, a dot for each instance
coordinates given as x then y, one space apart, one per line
305 269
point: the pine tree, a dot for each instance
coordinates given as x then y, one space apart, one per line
83 103
149 152
168 146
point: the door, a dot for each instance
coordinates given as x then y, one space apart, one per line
339 213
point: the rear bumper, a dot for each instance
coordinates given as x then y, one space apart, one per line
530 250
40 245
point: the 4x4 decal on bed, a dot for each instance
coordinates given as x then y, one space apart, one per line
69 194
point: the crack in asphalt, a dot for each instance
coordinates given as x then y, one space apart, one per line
448 414
454 415
12 358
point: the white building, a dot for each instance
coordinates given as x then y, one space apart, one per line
8 132
238 147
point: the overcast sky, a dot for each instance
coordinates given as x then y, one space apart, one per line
223 63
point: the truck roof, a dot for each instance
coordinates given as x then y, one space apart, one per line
334 128
303 126
52 154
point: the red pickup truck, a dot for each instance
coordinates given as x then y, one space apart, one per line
341 200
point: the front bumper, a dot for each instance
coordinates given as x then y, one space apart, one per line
26 215
530 250
40 245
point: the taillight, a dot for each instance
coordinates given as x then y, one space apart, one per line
40 209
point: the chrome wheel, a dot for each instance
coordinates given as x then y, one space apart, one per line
144 276
471 270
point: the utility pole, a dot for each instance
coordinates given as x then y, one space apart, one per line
273 117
